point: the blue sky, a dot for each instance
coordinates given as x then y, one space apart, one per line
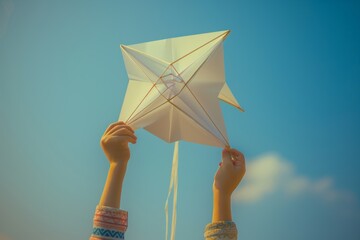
293 65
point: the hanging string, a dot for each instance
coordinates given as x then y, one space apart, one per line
173 187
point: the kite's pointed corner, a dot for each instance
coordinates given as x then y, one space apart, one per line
241 109
227 32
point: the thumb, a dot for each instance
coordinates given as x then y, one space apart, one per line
226 157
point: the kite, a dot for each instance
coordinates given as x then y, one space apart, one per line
173 92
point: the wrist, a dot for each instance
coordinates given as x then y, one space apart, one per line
119 169
222 196
118 165
221 193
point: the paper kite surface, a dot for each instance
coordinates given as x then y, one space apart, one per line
174 88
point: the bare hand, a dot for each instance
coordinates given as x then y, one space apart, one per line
114 142
230 172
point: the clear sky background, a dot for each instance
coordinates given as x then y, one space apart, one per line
293 65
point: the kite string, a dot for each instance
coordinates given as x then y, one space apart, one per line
173 223
173 187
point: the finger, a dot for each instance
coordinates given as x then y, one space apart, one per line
235 163
125 138
238 163
238 158
111 126
236 155
115 125
226 157
124 132
120 126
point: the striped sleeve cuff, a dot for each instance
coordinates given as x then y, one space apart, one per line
225 230
109 223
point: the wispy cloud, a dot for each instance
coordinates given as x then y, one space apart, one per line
6 9
270 173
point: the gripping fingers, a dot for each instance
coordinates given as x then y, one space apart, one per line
238 158
121 125
233 156
111 126
125 132
126 138
226 157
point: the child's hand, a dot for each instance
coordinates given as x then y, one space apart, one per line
115 141
230 172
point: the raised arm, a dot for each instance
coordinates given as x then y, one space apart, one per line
114 143
227 178
109 221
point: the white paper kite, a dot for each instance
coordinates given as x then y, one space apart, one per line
174 89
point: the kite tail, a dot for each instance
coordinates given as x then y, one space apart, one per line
172 188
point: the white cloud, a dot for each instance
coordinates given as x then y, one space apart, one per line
270 173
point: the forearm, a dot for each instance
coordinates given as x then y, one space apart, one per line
111 195
109 221
222 226
221 207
